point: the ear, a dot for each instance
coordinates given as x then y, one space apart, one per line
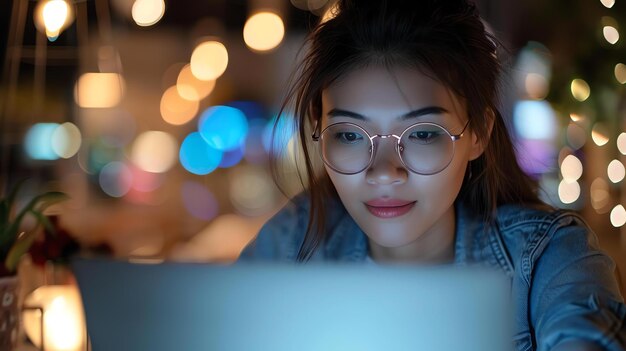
478 146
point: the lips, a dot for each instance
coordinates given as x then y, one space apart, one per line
389 208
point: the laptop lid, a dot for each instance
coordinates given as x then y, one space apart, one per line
178 306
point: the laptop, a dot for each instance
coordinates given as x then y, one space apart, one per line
186 306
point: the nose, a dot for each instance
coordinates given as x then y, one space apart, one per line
386 167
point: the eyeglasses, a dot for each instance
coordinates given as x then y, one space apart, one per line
424 148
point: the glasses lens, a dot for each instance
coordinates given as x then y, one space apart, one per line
345 147
427 148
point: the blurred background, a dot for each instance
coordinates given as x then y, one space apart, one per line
155 116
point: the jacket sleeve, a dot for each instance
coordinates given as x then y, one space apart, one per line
279 239
574 294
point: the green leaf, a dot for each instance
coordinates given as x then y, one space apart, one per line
43 201
5 209
41 218
19 248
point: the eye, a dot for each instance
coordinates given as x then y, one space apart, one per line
425 136
348 137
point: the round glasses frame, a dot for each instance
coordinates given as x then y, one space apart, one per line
316 136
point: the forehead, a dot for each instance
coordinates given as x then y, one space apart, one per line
386 93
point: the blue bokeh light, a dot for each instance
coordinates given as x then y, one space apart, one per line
224 128
252 110
276 141
535 120
197 156
255 149
38 141
232 157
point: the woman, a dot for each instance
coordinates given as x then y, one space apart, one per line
399 100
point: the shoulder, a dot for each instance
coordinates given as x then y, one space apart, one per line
531 227
526 232
281 236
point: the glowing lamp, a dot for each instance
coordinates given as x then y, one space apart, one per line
58 309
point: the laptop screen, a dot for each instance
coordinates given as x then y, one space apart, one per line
177 306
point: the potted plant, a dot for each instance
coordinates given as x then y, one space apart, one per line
14 243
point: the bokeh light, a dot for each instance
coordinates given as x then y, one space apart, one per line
600 195
232 157
533 70
191 88
621 143
66 140
616 171
620 73
618 216
199 201
569 191
197 156
61 317
116 179
536 86
252 191
534 120
52 16
175 110
276 136
600 134
263 31
37 141
209 60
580 89
571 168
55 13
223 127
608 3
148 12
575 117
145 181
99 90
154 151
98 154
255 150
576 136
610 34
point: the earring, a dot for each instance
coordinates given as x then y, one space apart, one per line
468 171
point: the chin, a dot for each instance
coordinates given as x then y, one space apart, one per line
390 237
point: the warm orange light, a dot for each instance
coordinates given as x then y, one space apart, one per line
63 319
155 151
191 88
52 16
620 73
176 110
148 12
99 90
263 31
580 89
209 60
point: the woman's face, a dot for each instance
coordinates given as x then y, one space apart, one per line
395 207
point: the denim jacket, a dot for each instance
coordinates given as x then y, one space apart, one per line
562 285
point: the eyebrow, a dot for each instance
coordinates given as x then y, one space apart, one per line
430 110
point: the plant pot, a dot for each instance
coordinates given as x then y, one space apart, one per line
9 312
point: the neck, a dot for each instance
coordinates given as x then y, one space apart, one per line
435 246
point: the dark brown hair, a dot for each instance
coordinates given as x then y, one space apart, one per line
443 38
